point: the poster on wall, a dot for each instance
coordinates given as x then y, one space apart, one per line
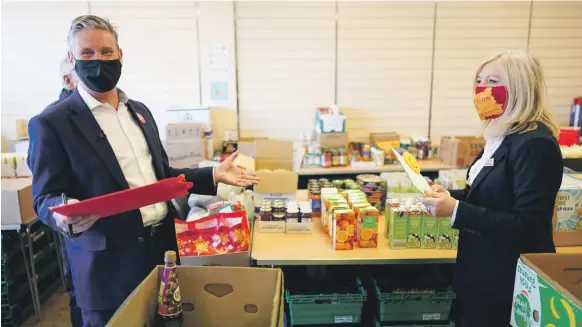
218 72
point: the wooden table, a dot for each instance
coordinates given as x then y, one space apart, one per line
315 249
425 165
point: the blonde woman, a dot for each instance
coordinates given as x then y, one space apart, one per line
507 207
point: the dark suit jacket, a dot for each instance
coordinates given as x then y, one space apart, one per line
506 212
67 155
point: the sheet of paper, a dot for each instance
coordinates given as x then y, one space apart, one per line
413 172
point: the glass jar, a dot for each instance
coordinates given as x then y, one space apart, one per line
278 207
343 157
336 158
315 200
278 216
266 213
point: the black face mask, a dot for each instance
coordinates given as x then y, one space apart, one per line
99 75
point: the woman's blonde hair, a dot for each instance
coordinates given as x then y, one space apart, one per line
526 89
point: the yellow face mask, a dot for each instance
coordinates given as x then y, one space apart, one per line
490 101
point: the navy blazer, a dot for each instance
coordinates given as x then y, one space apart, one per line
507 211
67 154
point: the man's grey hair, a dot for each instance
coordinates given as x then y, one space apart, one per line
90 22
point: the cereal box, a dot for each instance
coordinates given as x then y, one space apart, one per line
414 227
344 229
368 227
444 239
398 226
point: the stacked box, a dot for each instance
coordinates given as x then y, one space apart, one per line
398 228
414 227
344 229
568 204
445 236
429 230
368 227
326 201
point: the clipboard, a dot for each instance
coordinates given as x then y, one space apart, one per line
412 170
127 200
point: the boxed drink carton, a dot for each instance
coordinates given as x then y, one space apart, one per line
344 229
414 227
390 204
17 201
327 202
330 214
455 238
445 236
368 227
398 228
548 291
208 290
429 231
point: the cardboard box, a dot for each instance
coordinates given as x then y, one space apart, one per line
272 226
329 120
184 131
460 151
299 228
548 290
568 212
385 141
5 144
332 140
186 154
17 201
21 129
220 296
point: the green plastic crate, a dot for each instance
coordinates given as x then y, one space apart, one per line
326 308
449 324
414 305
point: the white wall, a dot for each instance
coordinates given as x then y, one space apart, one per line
391 66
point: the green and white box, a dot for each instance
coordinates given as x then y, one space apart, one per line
548 291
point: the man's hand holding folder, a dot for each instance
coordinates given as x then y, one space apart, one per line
78 224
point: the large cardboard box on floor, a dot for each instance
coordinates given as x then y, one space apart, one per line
548 291
17 201
220 296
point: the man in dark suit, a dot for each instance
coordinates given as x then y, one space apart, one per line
96 142
69 85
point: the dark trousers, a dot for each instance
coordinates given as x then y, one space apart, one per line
478 310
158 241
75 312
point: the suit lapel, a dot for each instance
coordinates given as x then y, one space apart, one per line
89 128
497 157
150 133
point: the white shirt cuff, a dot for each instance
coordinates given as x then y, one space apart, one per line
454 215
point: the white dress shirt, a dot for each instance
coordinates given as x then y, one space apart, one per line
491 145
130 147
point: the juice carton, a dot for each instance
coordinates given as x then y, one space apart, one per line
568 202
455 238
398 225
357 197
368 227
344 229
325 202
358 205
445 238
430 230
414 227
330 214
351 193
391 203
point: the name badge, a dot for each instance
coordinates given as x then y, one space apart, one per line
489 163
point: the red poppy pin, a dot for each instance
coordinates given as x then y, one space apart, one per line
143 121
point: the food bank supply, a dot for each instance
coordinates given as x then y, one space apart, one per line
398 228
374 188
326 202
414 227
445 234
429 230
368 227
169 313
344 229
568 204
216 234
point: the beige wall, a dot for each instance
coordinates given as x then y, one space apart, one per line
391 66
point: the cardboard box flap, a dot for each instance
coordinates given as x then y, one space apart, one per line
274 150
562 271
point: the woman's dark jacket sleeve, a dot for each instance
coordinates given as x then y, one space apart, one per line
536 173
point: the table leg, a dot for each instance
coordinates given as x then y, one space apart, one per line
33 270
29 275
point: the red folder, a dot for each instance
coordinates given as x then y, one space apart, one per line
127 200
